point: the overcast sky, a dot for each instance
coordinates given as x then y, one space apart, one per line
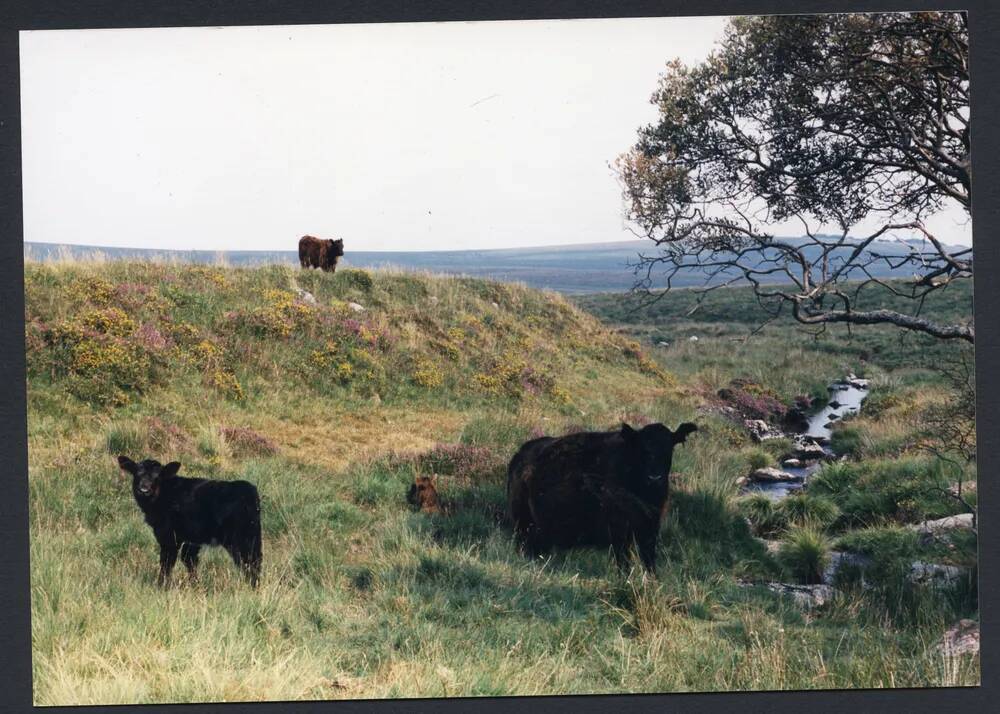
393 137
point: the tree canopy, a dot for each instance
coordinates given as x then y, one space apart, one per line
826 121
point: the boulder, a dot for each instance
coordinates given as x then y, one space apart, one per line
807 597
305 296
760 430
962 521
935 574
661 343
839 559
791 463
967 488
960 639
769 474
355 307
809 451
693 338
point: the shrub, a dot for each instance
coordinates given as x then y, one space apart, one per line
765 518
356 277
125 437
804 554
753 401
902 490
467 462
244 441
758 459
803 508
426 374
703 523
164 438
846 440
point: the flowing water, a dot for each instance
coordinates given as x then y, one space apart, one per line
845 399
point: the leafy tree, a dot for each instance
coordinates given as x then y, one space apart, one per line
820 120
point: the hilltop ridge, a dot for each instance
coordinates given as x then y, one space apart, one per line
270 345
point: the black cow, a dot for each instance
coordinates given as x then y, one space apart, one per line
594 488
187 513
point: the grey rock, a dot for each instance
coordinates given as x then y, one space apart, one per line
305 296
839 559
760 430
935 574
808 597
961 638
809 452
962 521
769 474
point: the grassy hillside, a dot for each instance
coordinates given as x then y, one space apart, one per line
332 410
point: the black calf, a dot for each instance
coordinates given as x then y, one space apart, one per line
187 513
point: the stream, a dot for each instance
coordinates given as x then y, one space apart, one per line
846 397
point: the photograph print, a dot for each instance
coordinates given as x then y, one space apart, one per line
507 358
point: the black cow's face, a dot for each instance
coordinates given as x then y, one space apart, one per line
336 248
148 476
656 445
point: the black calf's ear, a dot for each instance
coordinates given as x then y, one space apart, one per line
627 430
683 430
170 469
126 464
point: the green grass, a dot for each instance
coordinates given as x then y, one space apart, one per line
226 372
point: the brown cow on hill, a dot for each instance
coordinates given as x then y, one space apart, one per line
318 253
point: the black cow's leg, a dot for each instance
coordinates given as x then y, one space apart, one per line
189 556
535 543
646 545
168 556
619 549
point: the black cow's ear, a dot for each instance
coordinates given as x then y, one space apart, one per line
627 430
683 430
170 470
127 464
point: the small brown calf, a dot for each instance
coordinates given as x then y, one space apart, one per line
423 493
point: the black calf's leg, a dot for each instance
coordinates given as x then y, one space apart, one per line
253 556
246 554
189 556
168 556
